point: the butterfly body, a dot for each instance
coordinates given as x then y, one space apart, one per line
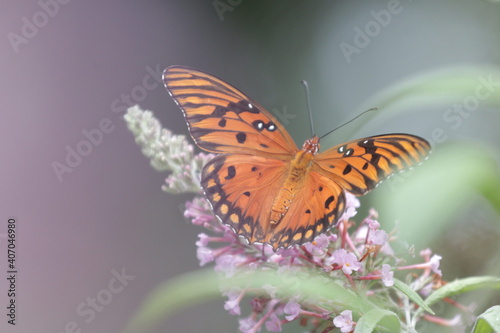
260 183
297 173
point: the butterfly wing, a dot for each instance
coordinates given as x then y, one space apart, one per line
318 204
241 189
222 119
359 165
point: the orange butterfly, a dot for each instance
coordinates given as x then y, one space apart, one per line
261 184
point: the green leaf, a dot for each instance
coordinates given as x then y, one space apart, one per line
405 289
462 286
201 286
426 200
308 283
442 86
488 321
387 321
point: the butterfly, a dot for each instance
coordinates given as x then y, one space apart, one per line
260 184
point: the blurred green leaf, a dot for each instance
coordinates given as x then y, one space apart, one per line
441 86
462 286
201 286
488 321
383 320
307 283
426 202
405 289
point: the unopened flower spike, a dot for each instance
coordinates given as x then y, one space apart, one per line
167 151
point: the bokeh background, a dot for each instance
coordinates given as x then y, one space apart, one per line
67 66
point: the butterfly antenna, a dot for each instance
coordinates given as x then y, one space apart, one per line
308 99
359 115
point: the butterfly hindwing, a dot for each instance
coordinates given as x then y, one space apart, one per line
222 119
315 209
240 189
359 165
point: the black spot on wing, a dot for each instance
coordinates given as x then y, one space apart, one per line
271 127
259 125
222 122
348 152
329 201
231 172
241 137
347 169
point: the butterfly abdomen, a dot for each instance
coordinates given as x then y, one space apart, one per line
294 181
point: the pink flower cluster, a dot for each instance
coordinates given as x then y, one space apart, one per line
357 255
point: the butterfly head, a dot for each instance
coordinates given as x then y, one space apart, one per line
311 145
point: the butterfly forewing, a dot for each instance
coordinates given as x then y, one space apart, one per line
222 119
359 165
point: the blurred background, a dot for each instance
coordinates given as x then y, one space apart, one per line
72 67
